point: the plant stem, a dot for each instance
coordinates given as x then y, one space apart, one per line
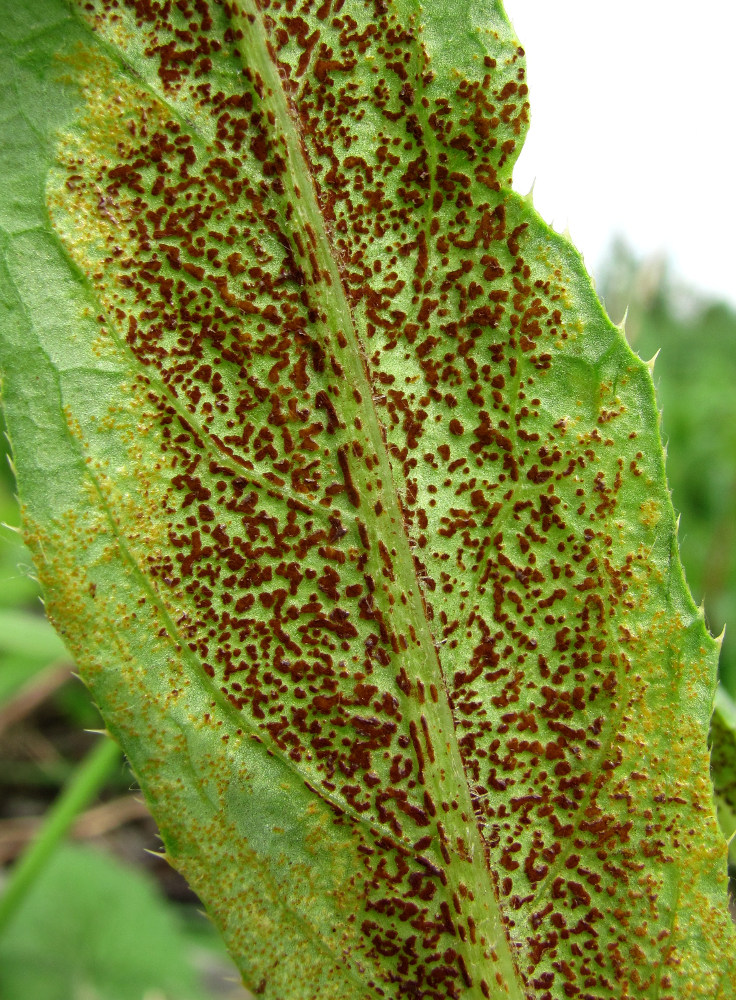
82 787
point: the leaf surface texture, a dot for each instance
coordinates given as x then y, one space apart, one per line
350 500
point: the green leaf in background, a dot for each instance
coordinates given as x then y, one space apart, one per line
27 644
350 501
723 764
30 634
16 586
93 929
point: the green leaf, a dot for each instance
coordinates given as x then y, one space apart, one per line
94 928
350 501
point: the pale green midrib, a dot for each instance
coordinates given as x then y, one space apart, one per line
336 307
289 129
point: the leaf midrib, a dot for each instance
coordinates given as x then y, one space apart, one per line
353 357
340 317
256 46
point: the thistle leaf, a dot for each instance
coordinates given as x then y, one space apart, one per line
350 500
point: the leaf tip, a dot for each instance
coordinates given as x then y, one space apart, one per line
652 361
529 196
158 854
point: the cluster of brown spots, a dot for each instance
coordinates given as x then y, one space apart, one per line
313 610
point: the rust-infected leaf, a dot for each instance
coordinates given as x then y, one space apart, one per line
351 501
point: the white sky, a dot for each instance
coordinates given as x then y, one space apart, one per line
634 128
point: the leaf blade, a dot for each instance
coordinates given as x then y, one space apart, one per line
150 412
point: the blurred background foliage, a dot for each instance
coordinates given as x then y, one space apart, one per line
107 919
